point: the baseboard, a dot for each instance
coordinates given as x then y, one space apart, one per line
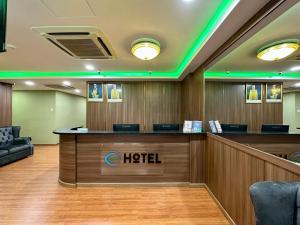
196 185
219 205
45 145
161 184
65 184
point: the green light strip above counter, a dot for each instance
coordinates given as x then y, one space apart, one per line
90 74
250 75
225 7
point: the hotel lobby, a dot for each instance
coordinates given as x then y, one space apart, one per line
138 112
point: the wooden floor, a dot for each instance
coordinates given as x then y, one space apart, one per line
30 195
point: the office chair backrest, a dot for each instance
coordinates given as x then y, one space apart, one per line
234 127
165 127
276 203
126 127
274 128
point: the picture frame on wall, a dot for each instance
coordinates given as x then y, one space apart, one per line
254 93
95 92
274 92
114 92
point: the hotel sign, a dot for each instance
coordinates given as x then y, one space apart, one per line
135 161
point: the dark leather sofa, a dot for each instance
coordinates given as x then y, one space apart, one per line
12 146
276 203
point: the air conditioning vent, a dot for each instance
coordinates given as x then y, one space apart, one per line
78 42
297 57
59 87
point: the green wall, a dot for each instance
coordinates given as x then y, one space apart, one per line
41 112
70 110
297 111
291 102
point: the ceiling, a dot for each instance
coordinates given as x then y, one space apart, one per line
176 24
242 61
51 85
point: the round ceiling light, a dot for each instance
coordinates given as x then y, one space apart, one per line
145 48
278 50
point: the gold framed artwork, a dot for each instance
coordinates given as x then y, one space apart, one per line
95 92
273 92
114 92
254 93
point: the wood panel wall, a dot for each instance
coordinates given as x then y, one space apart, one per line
5 104
144 103
147 103
233 167
193 96
225 101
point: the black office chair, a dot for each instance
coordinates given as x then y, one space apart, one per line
295 157
276 203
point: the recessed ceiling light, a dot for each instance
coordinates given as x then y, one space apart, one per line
90 67
278 50
77 90
66 83
145 48
29 83
295 68
187 0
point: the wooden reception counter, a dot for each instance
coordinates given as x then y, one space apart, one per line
226 164
97 157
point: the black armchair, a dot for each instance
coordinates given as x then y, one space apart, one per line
276 203
12 146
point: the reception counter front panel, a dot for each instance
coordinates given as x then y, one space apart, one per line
91 158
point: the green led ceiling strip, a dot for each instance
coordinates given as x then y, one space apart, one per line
224 8
250 75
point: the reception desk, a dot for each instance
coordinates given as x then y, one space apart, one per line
282 145
235 161
97 157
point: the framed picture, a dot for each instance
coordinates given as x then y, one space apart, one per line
95 92
274 92
254 93
114 92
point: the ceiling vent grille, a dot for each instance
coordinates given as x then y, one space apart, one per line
59 87
79 43
297 57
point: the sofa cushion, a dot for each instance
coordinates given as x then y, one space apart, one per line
16 131
6 137
18 148
3 152
21 141
274 202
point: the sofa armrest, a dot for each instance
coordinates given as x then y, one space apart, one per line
22 141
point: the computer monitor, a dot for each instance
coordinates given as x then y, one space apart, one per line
3 9
126 127
234 127
165 127
275 128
